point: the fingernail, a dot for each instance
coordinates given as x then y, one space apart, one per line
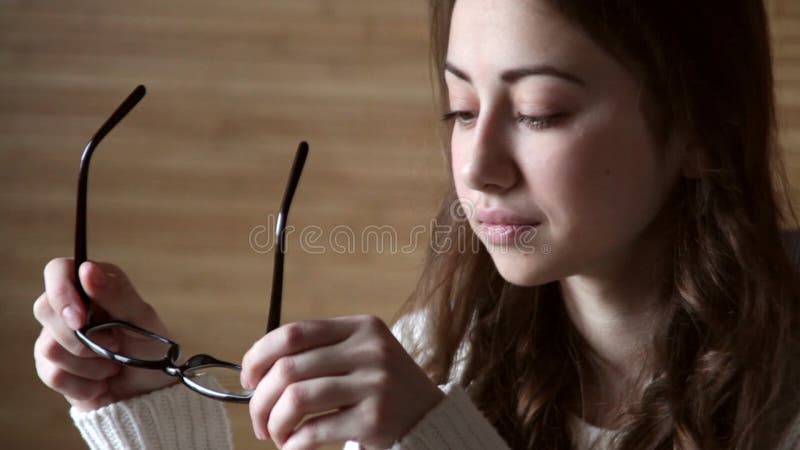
246 383
260 436
99 279
71 317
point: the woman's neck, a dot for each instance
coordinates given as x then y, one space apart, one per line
617 331
612 308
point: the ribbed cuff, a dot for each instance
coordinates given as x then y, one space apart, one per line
173 418
455 423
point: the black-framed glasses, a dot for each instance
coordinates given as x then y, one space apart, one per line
142 348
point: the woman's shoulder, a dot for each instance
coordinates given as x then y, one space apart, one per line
410 330
413 332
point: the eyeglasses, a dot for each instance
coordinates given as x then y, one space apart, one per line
142 348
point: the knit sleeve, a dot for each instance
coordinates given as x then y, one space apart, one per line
171 418
454 423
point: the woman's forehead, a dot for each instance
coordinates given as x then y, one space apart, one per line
488 38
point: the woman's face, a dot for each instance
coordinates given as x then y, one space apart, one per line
549 132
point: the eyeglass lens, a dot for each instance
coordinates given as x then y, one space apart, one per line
123 340
128 342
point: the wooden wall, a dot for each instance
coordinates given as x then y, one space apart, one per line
178 187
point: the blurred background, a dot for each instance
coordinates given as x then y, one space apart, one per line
178 189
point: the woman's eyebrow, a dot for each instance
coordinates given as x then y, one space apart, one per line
513 75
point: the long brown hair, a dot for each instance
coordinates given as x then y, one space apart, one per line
725 342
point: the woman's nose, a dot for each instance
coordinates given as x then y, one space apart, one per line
488 163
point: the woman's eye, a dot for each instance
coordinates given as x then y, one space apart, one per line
532 122
462 117
539 122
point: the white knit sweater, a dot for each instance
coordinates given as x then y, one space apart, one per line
175 418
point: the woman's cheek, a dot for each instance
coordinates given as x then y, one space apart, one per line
457 164
606 185
568 181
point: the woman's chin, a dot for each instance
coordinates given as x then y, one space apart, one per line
523 269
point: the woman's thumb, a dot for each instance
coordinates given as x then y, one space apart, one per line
109 287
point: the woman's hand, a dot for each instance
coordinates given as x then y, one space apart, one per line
88 380
351 367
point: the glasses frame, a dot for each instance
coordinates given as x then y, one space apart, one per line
168 363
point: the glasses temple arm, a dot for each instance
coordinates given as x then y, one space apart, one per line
83 180
274 319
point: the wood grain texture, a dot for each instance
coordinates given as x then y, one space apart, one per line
177 189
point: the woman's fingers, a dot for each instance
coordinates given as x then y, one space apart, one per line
290 339
51 320
360 422
109 287
366 387
92 368
59 284
289 370
68 366
313 396
69 385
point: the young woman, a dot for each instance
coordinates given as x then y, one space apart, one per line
618 163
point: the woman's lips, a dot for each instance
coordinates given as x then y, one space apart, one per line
507 234
503 217
503 227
